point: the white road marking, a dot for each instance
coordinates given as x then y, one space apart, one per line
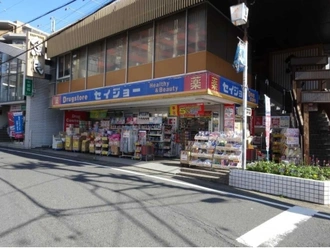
158 178
271 232
172 181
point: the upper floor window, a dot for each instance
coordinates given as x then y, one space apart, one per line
170 37
116 53
96 58
197 29
64 66
140 46
79 63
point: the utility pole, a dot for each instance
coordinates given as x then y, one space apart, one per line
239 17
245 96
52 24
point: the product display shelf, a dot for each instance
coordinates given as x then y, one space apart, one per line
57 143
119 126
68 142
137 152
276 144
202 150
114 146
91 147
77 142
155 136
98 145
228 151
85 145
105 146
169 146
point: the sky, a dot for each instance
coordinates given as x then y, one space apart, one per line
27 10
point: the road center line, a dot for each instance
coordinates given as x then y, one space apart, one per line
271 232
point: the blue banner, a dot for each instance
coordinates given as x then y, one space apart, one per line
149 88
18 121
234 89
239 60
146 88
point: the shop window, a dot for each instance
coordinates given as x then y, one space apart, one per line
19 90
9 78
79 63
197 30
64 65
4 88
96 58
12 79
170 37
221 35
141 46
116 53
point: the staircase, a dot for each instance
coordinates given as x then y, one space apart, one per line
4 136
308 88
279 96
209 174
319 137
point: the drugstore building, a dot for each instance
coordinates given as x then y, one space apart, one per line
133 59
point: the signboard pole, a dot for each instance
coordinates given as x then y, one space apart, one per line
245 96
267 123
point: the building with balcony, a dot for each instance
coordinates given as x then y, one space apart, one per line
24 85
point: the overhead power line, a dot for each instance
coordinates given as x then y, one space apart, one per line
6 9
34 19
69 15
27 50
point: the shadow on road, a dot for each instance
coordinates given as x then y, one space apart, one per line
96 178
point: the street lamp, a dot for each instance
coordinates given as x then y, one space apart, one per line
239 16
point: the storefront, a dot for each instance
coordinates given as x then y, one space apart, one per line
158 117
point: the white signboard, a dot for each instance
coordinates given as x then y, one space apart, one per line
267 123
267 105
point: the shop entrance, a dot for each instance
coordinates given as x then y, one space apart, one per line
189 127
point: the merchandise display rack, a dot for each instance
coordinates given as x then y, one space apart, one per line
276 141
137 152
216 149
169 149
203 149
228 151
105 146
98 145
118 136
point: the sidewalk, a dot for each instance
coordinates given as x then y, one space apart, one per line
168 166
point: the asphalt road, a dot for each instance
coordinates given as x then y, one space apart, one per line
48 201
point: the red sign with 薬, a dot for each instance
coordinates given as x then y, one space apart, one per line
213 82
194 82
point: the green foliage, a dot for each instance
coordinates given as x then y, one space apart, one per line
301 171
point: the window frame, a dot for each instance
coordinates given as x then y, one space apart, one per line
64 56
